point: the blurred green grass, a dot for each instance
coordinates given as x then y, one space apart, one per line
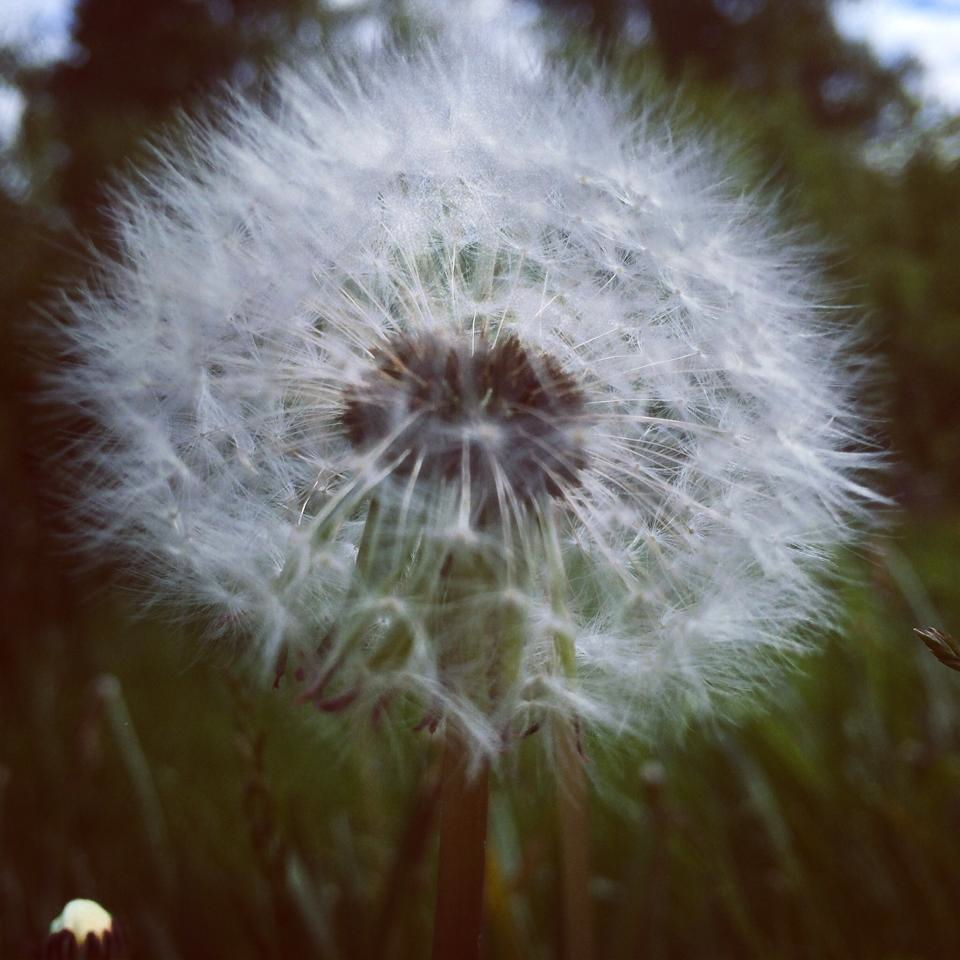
824 826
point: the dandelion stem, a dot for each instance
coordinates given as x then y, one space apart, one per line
572 817
572 800
464 795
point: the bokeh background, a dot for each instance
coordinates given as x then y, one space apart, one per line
222 819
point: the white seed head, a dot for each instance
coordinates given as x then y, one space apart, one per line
474 387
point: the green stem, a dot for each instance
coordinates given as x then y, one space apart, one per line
458 920
135 760
407 863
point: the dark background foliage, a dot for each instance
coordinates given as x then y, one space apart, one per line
222 820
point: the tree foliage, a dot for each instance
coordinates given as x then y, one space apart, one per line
763 46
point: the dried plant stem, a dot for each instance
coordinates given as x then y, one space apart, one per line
573 822
464 795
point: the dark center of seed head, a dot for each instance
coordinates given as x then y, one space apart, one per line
505 417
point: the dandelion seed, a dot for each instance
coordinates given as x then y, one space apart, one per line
476 388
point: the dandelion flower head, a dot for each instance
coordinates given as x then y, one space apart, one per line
474 387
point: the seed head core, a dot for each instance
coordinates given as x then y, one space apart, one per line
492 414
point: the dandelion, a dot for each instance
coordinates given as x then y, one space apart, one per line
474 388
465 385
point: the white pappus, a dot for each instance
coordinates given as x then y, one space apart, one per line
465 384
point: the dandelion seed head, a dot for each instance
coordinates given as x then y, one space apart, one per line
489 413
469 384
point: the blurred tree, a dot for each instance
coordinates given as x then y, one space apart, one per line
132 62
767 46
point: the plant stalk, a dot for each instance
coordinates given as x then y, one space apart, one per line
464 797
573 821
572 793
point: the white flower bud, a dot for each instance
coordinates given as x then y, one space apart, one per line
84 931
82 918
